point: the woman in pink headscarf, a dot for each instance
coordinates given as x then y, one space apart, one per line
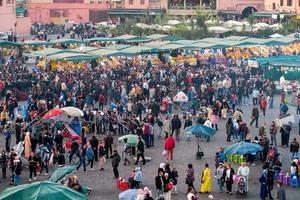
27 145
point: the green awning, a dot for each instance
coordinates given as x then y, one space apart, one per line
269 14
134 50
21 10
34 43
161 37
105 52
44 52
102 39
279 41
184 42
170 47
68 56
66 41
84 49
155 44
117 47
132 38
236 38
9 44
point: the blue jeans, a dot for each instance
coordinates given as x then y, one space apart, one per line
270 102
242 137
220 185
17 179
294 155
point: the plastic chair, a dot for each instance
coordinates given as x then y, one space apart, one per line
235 158
286 180
294 181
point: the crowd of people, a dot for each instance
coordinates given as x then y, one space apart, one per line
137 99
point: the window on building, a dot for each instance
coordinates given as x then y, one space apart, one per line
289 3
274 6
7 1
130 2
298 3
142 2
1 2
281 2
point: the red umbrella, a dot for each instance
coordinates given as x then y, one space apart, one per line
56 112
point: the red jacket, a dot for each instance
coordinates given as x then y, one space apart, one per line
169 143
264 103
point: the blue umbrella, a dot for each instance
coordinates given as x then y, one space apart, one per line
128 195
242 148
200 130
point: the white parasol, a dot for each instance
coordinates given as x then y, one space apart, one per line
181 97
73 111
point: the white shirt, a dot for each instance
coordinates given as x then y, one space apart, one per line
190 195
243 171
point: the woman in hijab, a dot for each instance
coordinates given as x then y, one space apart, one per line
263 185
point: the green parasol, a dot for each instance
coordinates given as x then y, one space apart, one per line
41 190
132 140
61 172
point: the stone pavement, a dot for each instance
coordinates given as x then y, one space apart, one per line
104 185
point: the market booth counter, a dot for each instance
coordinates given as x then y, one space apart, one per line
70 61
8 49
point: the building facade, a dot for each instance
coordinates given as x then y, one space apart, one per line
287 6
62 11
10 22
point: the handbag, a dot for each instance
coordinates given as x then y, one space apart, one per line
188 180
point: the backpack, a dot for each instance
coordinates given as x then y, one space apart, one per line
146 129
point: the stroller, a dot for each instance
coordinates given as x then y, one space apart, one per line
242 188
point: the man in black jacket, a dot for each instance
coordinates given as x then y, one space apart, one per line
140 152
74 150
94 143
159 182
115 163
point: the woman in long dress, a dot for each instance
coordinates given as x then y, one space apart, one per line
27 145
206 180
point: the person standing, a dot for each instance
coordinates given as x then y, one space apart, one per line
94 144
90 156
228 178
102 154
82 157
270 182
263 185
44 155
169 148
7 134
229 129
32 160
159 182
190 176
108 141
280 192
126 152
140 152
4 161
18 127
219 176
115 163
176 125
294 149
74 150
273 132
254 116
243 170
206 180
263 105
